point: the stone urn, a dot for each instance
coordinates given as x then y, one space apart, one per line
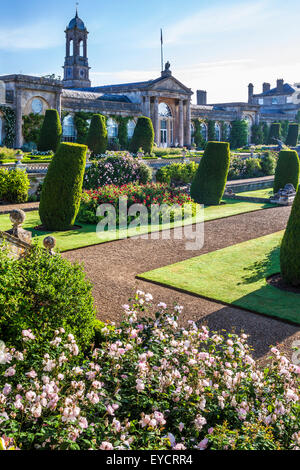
19 157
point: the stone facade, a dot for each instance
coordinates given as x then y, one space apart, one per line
164 99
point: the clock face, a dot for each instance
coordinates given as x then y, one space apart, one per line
37 106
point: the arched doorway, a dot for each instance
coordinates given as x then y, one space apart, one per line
218 132
166 125
69 129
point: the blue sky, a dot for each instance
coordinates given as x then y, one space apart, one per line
219 46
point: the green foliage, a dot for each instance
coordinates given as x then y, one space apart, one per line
253 168
274 133
14 185
32 125
293 133
9 116
257 134
290 247
265 129
51 131
42 292
284 128
268 164
210 180
7 153
97 135
198 137
211 131
143 136
62 188
101 331
287 170
239 134
177 173
82 127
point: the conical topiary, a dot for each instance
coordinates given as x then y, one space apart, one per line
51 131
274 133
290 247
62 188
97 135
209 183
143 136
287 170
293 134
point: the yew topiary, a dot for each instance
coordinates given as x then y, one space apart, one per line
293 133
287 170
51 131
143 136
290 247
97 135
62 188
209 183
274 133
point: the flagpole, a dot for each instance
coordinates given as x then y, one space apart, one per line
162 50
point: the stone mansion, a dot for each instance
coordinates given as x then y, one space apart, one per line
164 99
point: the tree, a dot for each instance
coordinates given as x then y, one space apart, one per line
274 133
97 135
51 132
290 247
293 133
210 180
62 188
143 136
265 129
257 134
287 170
211 130
239 134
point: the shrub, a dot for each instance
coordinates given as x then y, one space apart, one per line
42 293
177 173
293 133
14 185
143 136
268 164
97 135
290 247
32 125
274 133
62 187
257 134
239 134
287 170
253 168
120 168
211 130
210 180
149 386
51 131
7 153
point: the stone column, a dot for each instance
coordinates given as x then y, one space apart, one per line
156 121
181 124
19 135
58 102
188 137
147 106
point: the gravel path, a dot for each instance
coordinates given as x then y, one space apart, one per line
26 207
113 267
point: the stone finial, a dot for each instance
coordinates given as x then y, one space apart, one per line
17 217
49 244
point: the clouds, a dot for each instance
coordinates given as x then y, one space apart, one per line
39 35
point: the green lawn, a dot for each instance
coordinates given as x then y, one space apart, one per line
87 235
235 275
265 193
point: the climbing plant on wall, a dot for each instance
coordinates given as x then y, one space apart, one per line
211 131
32 124
9 117
239 134
197 136
82 126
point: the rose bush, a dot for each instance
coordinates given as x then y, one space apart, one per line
149 385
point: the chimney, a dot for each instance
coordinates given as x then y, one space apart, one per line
266 87
250 92
201 97
280 86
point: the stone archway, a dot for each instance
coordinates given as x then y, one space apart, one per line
166 125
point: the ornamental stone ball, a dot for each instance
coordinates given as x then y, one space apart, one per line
17 217
49 243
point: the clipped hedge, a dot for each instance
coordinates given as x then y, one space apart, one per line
14 185
293 133
51 131
274 133
290 247
97 135
239 134
62 188
209 183
287 170
143 136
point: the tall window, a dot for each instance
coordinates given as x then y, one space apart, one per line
71 48
218 132
130 128
204 131
163 132
166 125
164 110
69 129
81 48
112 129
227 131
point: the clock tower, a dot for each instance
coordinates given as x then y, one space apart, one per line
76 68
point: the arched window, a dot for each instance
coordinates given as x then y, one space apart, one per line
130 128
192 133
203 128
69 129
71 48
164 110
81 48
218 132
1 127
226 131
112 129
